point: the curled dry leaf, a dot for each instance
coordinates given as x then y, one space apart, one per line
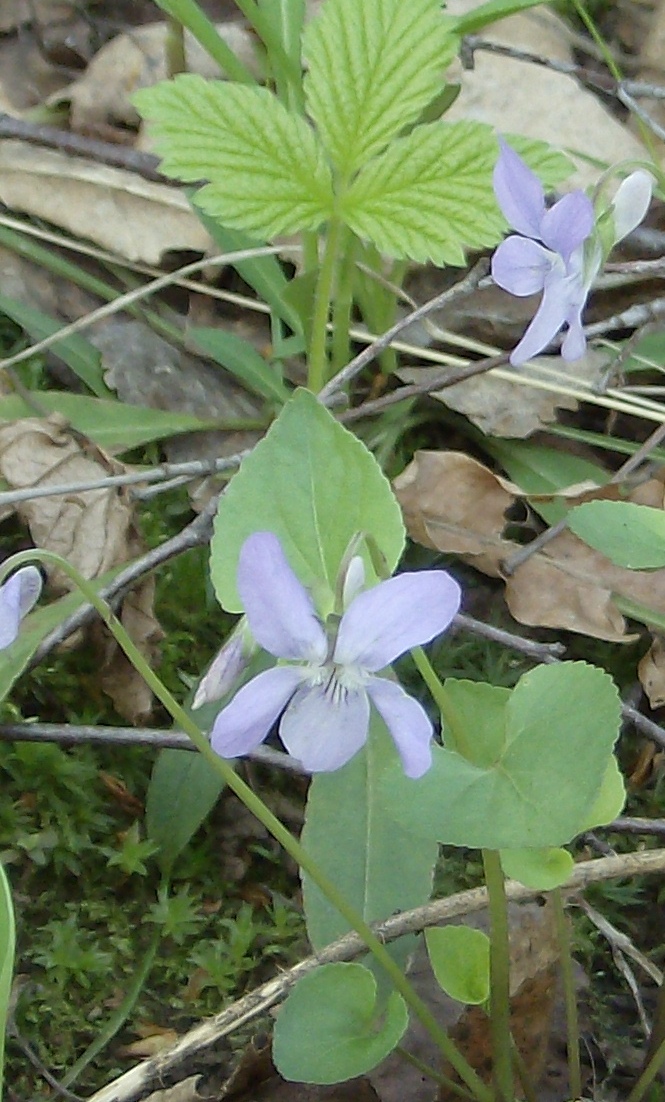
454 504
115 209
92 529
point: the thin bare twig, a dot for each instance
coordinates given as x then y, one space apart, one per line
163 1070
356 365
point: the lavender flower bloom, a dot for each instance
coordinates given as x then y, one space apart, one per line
556 251
17 596
324 699
547 256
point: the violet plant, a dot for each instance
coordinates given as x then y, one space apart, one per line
309 534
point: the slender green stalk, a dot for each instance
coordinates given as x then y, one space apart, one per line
570 999
266 31
648 1075
194 20
432 1073
256 806
522 1074
120 1016
443 702
499 977
318 357
343 303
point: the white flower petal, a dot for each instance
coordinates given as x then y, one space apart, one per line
397 614
631 203
324 730
279 609
245 722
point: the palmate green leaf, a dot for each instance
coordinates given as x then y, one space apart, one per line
7 939
266 169
351 834
373 67
557 731
630 535
429 197
315 485
329 1029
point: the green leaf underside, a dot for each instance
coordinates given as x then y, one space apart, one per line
266 169
115 426
373 67
542 869
315 485
560 724
429 196
353 837
630 535
460 960
7 939
183 790
326 1032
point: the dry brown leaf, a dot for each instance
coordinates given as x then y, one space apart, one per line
550 106
500 407
651 672
455 504
118 210
150 1044
13 13
93 529
137 59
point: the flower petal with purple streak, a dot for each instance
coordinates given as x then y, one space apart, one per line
519 192
567 224
521 266
323 729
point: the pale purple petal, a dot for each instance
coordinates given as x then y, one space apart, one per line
574 342
407 722
279 609
631 203
397 614
568 223
549 317
521 266
17 596
225 668
324 729
247 719
519 192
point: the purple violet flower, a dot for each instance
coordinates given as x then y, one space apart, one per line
557 251
17 596
546 254
324 699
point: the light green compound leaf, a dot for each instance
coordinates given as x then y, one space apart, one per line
115 426
541 869
629 535
241 359
429 197
7 944
352 835
80 356
373 67
460 959
266 170
559 726
313 484
327 1031
182 792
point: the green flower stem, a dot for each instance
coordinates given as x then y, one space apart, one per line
499 977
254 804
279 59
432 1073
318 357
194 20
648 1075
451 721
343 302
572 1019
